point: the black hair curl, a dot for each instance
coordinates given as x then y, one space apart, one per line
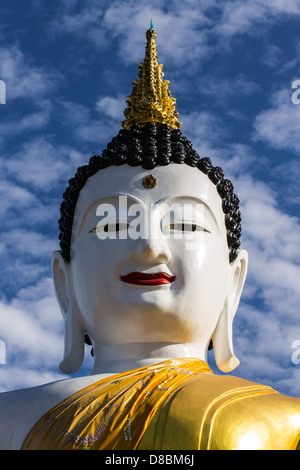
149 146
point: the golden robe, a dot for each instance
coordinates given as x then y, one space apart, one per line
178 404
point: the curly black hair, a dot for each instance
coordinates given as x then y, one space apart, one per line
149 146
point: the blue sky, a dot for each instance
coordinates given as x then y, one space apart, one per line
68 66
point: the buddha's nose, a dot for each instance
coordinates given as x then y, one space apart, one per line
151 250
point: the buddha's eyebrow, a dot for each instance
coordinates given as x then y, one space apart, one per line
184 199
113 199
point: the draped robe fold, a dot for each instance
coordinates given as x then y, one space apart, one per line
176 404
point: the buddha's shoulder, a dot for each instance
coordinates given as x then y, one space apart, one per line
228 387
48 392
20 409
259 417
235 413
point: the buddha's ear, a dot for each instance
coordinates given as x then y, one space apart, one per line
60 275
74 332
222 336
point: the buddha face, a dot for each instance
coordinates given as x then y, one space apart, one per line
149 265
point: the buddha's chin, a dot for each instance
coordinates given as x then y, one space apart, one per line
151 322
169 333
155 298
146 321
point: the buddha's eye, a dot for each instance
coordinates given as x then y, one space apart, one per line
109 228
186 227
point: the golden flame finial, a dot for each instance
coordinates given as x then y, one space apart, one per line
150 99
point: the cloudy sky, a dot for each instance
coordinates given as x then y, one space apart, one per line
68 66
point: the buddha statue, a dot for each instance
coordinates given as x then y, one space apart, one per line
150 273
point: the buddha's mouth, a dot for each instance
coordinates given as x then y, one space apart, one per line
147 279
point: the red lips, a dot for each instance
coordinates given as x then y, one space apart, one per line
147 279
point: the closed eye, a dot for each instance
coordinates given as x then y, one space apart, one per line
117 227
186 227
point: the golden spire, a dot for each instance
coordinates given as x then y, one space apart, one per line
150 99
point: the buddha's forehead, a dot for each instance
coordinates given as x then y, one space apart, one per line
172 181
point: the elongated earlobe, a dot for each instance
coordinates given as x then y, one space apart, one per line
74 347
222 336
222 341
74 332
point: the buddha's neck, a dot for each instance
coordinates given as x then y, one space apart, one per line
125 357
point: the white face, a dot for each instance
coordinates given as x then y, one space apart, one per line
182 299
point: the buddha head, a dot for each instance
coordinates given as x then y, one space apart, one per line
150 259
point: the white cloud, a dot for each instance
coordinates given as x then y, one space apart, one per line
176 25
23 79
204 129
39 299
221 90
278 126
111 106
36 164
288 173
291 381
32 329
85 22
264 333
185 28
29 242
249 16
209 136
272 55
266 223
263 343
35 120
188 32
40 164
87 128
129 21
25 255
12 195
13 377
